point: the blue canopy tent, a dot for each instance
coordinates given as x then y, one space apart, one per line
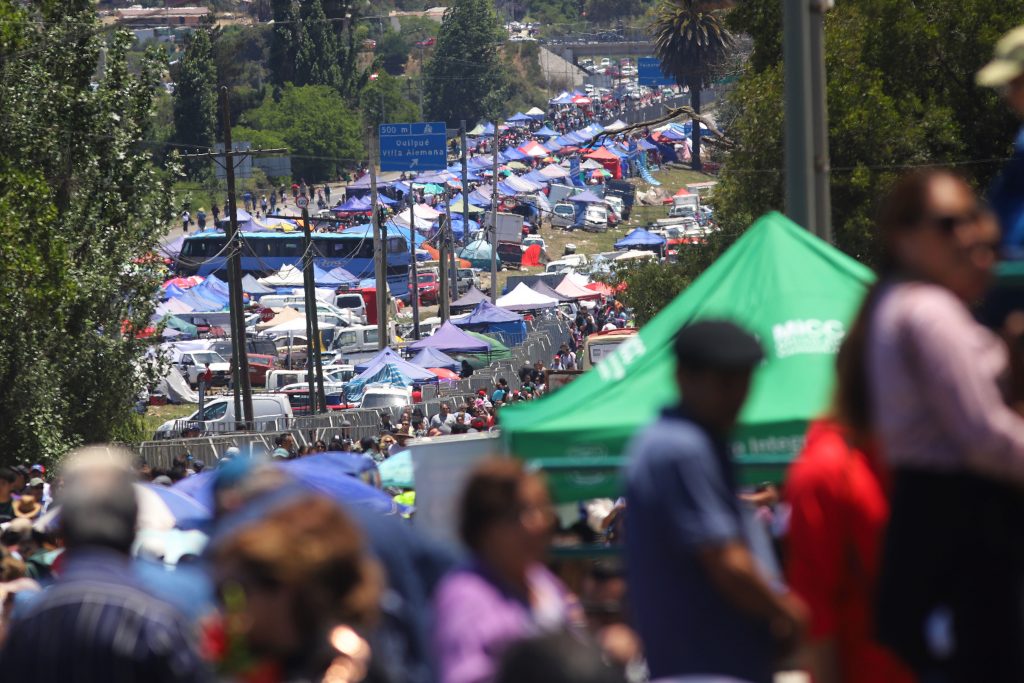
386 200
545 132
512 154
450 338
388 356
639 237
586 197
354 205
520 119
359 188
433 358
173 248
564 98
251 286
173 292
366 231
337 276
460 227
470 299
487 318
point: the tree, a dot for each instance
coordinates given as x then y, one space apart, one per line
195 96
283 48
393 52
465 77
899 95
610 10
316 124
316 59
382 101
690 40
81 205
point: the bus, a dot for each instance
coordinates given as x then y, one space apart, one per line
264 253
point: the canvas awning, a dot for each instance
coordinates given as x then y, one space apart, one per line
796 293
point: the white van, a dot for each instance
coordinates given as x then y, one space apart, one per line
376 396
218 415
352 301
596 218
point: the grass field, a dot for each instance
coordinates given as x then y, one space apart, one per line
157 415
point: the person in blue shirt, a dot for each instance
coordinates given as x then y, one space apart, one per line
702 604
500 391
1006 195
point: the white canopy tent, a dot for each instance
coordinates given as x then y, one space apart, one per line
522 298
288 276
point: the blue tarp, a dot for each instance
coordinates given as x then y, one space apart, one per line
432 358
640 238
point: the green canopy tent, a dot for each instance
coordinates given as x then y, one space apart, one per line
795 292
479 360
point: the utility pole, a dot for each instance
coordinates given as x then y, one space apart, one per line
314 368
380 243
465 197
414 289
796 54
494 219
240 366
819 113
446 272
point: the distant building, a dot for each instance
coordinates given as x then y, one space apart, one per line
434 13
152 17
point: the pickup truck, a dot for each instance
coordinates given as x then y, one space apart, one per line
193 364
465 279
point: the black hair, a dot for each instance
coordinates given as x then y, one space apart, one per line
8 475
560 658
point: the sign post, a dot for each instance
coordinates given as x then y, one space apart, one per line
413 147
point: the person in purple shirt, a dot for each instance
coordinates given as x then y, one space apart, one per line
504 593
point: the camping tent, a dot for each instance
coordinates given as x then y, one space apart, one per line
450 338
795 292
489 319
478 253
522 298
639 237
433 358
470 299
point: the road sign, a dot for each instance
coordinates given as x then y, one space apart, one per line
302 201
413 147
649 72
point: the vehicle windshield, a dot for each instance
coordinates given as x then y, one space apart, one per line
353 301
562 209
214 411
426 277
204 357
384 401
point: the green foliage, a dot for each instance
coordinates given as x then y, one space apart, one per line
314 43
900 94
610 10
393 52
316 124
465 77
382 101
691 41
195 96
316 57
80 199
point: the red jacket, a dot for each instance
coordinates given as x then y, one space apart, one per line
839 513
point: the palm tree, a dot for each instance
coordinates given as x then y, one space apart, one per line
690 39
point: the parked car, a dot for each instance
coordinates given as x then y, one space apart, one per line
386 396
270 411
193 364
429 287
563 215
465 279
596 218
354 303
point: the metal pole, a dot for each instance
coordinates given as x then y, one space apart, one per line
241 364
379 251
414 290
494 219
797 71
819 112
447 274
317 400
465 200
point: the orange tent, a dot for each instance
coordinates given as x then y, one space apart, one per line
531 257
435 255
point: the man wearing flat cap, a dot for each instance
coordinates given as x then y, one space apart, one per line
702 605
1005 73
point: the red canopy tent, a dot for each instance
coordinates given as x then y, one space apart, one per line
608 159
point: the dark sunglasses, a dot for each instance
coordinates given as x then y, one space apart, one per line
949 223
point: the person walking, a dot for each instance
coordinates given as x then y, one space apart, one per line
201 218
705 607
935 388
186 220
263 204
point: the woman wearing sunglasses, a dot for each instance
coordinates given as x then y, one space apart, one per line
934 389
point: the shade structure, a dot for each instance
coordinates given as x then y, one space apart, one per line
522 298
335 474
284 315
487 318
638 237
545 132
519 118
160 508
554 171
288 276
573 290
386 356
534 149
796 293
446 374
601 288
430 358
535 113
251 285
542 287
471 298
615 126
335 276
586 197
450 338
498 351
354 205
